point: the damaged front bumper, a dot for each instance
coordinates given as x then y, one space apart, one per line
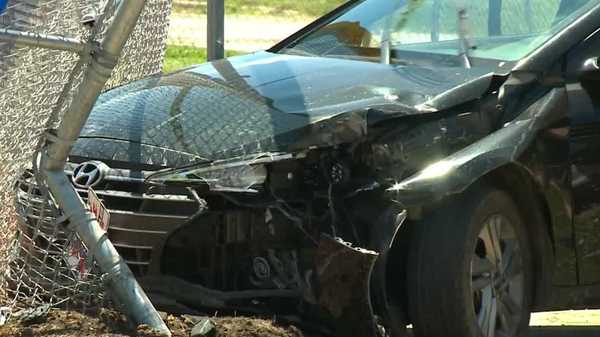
338 299
267 242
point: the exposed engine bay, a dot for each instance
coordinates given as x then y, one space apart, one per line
286 245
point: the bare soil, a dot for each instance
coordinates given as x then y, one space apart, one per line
107 323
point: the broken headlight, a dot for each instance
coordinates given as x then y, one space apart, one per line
235 176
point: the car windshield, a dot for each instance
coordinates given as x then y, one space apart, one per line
441 32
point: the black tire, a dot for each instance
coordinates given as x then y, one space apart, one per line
441 263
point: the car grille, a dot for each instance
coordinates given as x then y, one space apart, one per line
140 218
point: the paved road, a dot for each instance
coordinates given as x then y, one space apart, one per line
565 332
582 323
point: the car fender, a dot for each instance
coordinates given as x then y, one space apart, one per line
455 173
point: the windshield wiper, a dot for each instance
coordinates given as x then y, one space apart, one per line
463 35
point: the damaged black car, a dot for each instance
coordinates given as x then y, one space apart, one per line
433 163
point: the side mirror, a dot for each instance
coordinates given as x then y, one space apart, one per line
590 69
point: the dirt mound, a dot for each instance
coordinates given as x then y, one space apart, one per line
107 323
233 327
60 323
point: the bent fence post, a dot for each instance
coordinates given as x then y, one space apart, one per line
103 60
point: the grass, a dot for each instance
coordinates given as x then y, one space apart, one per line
178 57
307 8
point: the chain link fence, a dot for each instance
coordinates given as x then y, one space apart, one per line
41 261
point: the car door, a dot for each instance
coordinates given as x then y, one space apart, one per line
584 114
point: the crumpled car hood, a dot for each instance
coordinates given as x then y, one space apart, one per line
266 102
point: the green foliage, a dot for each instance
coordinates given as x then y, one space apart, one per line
178 57
311 8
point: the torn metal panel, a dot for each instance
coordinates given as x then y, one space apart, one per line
398 153
457 172
342 129
465 92
383 237
536 140
343 295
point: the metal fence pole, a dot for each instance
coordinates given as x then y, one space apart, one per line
495 18
43 41
435 21
529 15
120 279
216 29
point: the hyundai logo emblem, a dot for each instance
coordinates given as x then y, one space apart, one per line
89 174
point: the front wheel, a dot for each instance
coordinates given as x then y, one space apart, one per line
470 269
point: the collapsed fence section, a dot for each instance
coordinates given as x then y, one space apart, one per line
43 261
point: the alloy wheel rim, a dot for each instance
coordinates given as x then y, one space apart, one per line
497 280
